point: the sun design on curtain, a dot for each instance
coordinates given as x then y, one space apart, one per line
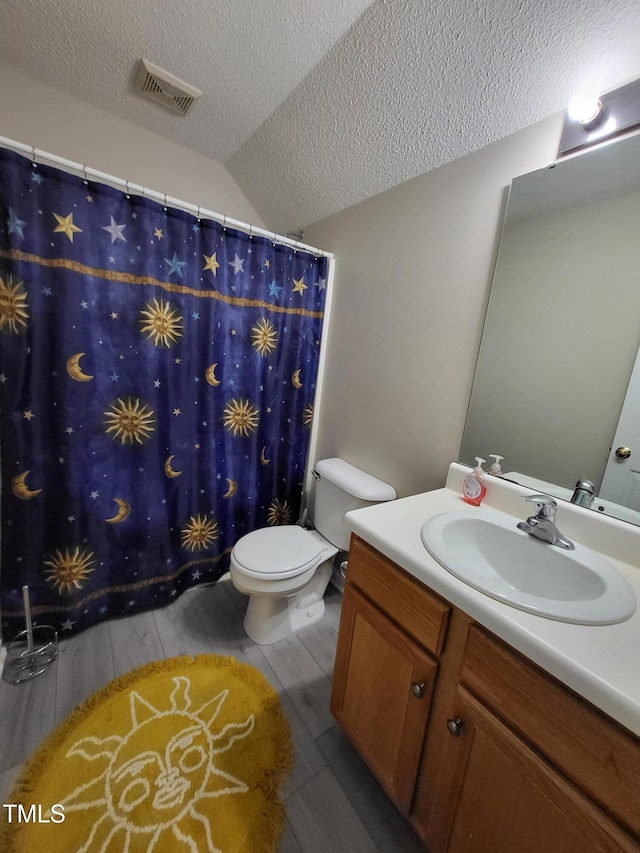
157 377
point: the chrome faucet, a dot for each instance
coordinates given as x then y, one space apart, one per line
542 525
584 493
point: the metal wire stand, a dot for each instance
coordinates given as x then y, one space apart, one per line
32 650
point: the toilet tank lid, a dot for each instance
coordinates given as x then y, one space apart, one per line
354 481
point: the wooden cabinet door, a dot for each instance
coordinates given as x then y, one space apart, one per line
509 798
379 670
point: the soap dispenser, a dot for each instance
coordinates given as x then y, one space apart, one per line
495 469
473 488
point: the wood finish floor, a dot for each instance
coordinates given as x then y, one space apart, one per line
333 802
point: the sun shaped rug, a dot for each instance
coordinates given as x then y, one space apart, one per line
184 755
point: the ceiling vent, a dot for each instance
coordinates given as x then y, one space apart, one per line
160 86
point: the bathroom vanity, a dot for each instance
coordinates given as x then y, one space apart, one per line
491 728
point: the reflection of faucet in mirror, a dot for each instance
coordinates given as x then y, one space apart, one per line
542 525
584 493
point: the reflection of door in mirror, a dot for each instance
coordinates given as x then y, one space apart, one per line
621 481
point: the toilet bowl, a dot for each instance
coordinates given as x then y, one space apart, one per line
285 570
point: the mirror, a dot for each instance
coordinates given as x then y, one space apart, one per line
562 329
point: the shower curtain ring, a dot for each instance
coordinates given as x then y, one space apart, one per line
126 189
251 232
199 214
84 175
224 222
33 157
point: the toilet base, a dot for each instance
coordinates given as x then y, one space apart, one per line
270 618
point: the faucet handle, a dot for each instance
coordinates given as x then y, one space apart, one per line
546 506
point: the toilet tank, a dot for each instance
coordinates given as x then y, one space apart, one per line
340 488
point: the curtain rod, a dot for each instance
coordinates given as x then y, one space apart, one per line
129 187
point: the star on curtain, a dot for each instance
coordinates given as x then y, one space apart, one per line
299 286
15 225
66 226
237 264
115 231
274 289
175 265
211 263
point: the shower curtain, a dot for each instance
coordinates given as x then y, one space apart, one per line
157 378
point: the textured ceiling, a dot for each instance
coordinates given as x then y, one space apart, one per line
314 106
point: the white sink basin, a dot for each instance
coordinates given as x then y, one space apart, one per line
486 550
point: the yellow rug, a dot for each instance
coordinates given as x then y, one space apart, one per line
180 756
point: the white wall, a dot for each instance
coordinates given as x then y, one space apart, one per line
37 115
413 273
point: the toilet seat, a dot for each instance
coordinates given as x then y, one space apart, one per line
278 552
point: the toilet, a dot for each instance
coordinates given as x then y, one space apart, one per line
285 570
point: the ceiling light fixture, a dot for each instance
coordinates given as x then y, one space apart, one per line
586 108
592 117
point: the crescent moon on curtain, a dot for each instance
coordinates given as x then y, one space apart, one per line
210 375
75 371
233 488
123 512
168 470
20 488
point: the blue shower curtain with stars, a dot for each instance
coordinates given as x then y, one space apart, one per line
157 378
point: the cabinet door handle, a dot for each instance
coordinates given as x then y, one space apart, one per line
418 689
455 726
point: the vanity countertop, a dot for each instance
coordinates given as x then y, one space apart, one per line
600 662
